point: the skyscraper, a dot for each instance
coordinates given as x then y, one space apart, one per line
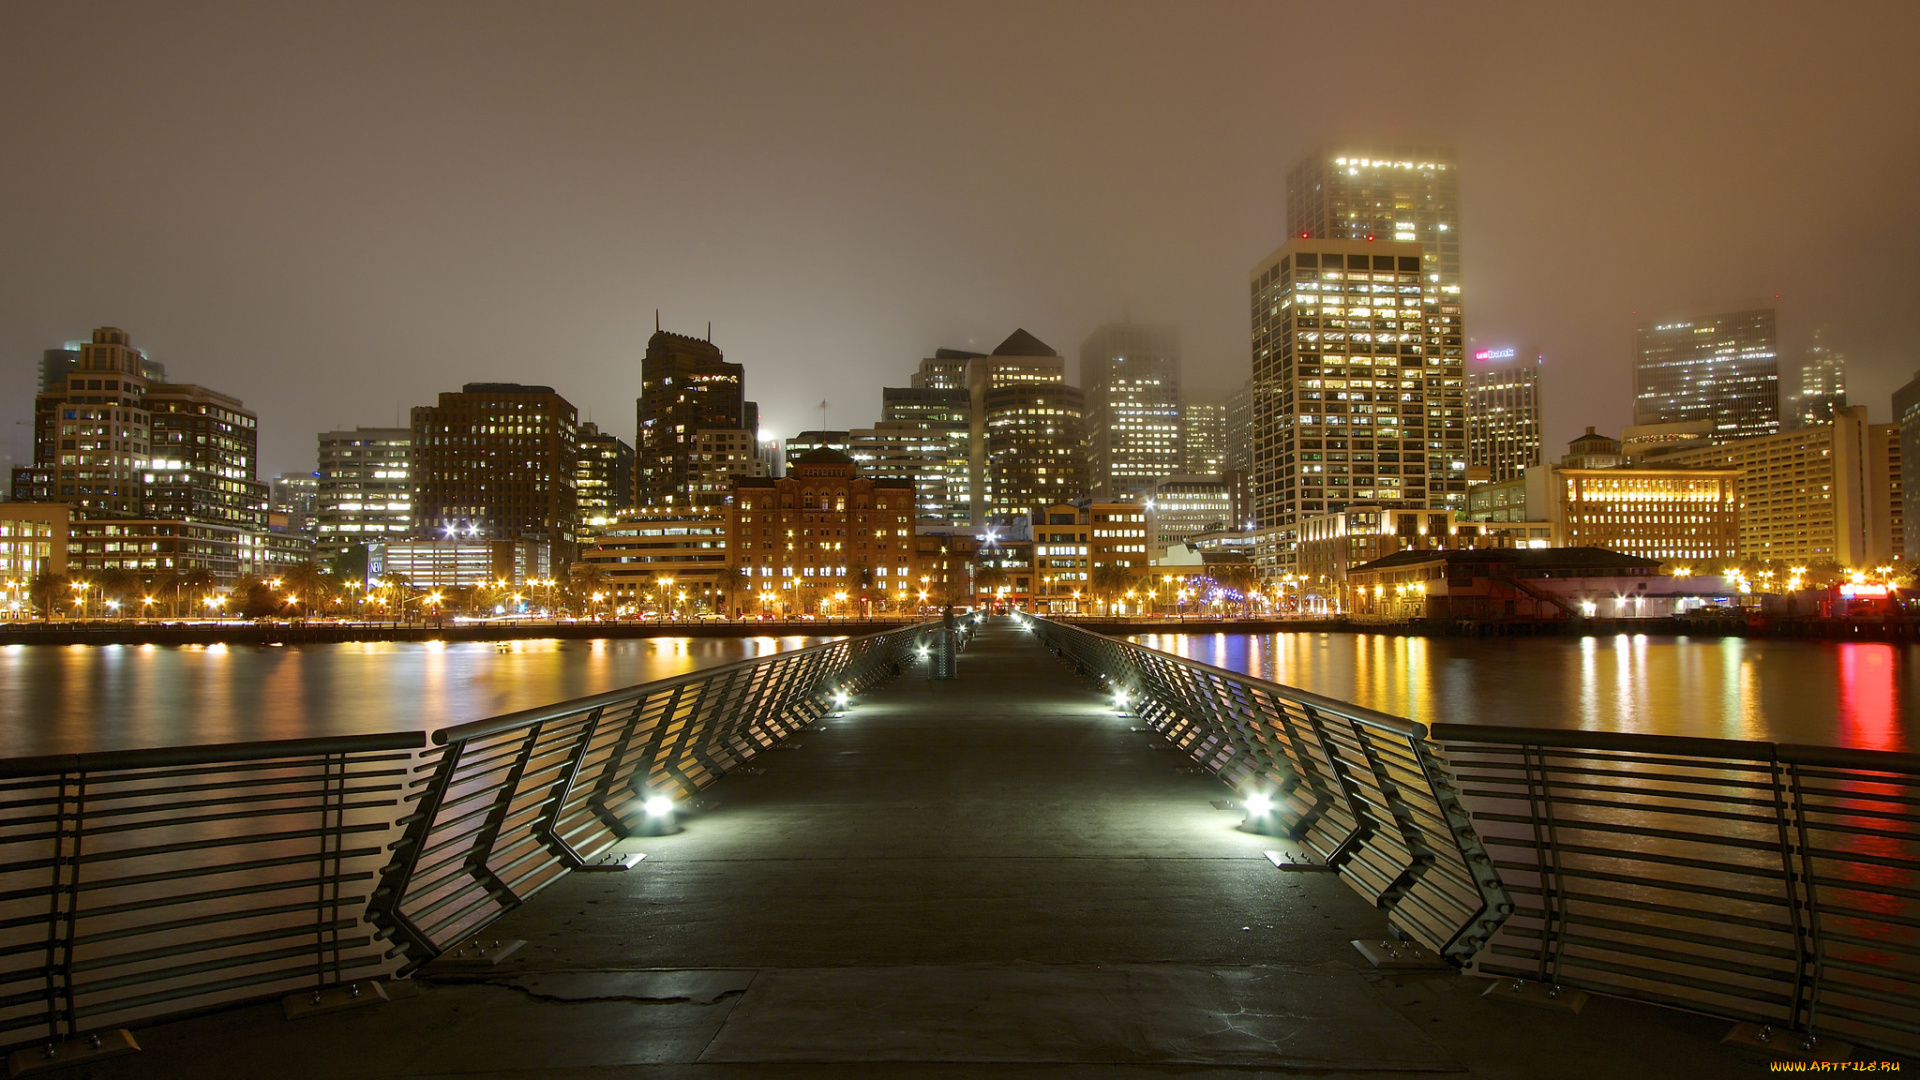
1823 383
1383 189
1718 368
1356 388
1203 431
364 489
1503 413
1130 375
1240 429
496 462
686 387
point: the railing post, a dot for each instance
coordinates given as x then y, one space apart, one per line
547 831
386 907
483 840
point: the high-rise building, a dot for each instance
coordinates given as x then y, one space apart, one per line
1906 418
923 454
1180 507
496 462
1203 428
1239 435
91 432
1025 426
722 456
293 504
686 387
935 417
602 477
1130 375
1825 492
1357 392
363 488
1503 413
57 364
203 454
1720 368
1823 383
1685 516
1403 190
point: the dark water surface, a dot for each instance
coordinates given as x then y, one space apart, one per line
65 699
1856 694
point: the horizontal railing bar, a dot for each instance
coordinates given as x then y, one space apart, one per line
209 753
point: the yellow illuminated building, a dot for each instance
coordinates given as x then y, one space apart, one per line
1668 514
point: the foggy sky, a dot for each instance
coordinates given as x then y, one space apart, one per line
334 212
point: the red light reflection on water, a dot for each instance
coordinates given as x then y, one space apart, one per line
1869 699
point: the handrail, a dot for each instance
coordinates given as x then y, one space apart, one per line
1766 882
1365 791
505 806
138 883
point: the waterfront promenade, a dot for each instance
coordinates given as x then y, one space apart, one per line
991 876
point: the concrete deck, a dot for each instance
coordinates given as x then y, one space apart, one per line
993 876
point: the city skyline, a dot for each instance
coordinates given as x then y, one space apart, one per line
339 228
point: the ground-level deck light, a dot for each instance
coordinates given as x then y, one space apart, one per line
1260 813
659 816
1120 699
840 702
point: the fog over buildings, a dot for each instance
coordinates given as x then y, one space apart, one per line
336 216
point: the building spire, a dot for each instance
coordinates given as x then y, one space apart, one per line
656 320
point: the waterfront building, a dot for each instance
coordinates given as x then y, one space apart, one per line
822 539
496 462
1074 543
602 477
1130 374
460 562
1517 585
363 490
57 364
203 455
687 386
1203 427
150 546
1643 443
1330 544
1688 516
1719 368
1179 507
1357 388
655 559
1906 418
948 560
1503 412
33 541
92 433
1823 383
1825 492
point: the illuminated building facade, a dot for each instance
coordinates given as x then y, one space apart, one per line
1333 543
1357 388
721 456
925 454
1073 541
1823 383
363 488
1239 432
1387 189
686 387
203 455
1719 368
496 461
33 541
665 560
1681 515
822 537
459 563
602 477
1181 507
1503 412
1203 426
1906 418
1825 492
1130 374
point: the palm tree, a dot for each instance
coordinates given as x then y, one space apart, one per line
732 581
1108 580
306 586
199 584
164 583
989 580
116 585
1239 576
585 580
47 589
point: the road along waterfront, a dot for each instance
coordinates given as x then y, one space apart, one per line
1828 693
57 699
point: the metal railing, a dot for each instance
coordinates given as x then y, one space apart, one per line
1364 791
501 808
139 883
1765 882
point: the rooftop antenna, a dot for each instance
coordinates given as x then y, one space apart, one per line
709 331
823 414
656 320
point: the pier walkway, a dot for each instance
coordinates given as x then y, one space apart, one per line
991 876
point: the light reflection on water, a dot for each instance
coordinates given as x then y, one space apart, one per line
67 699
1820 692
